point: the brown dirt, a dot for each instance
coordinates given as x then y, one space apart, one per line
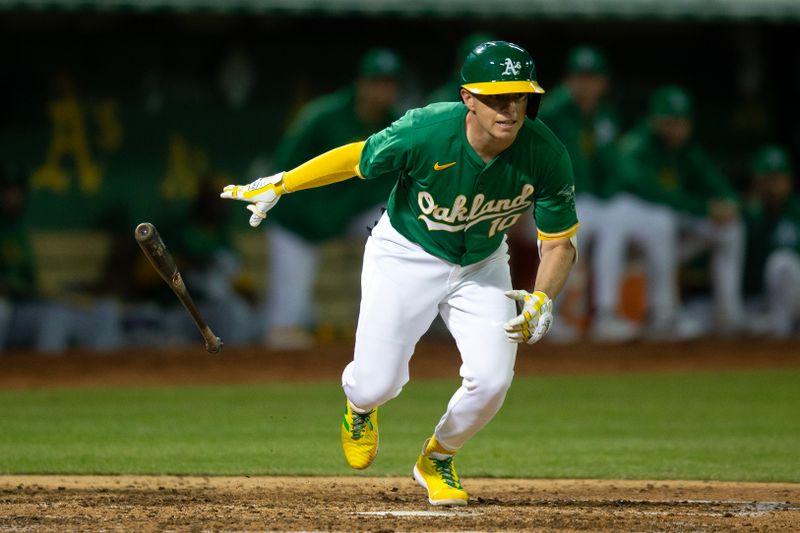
191 365
145 503
124 503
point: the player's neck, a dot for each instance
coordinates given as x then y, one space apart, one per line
486 145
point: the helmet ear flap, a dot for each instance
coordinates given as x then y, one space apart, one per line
534 100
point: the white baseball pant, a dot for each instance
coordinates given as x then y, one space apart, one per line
403 289
726 246
293 267
667 238
782 279
654 231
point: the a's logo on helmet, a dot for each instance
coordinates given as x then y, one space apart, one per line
511 67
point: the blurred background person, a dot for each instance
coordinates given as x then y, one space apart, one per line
205 253
27 319
773 242
580 114
105 151
449 91
321 215
19 319
680 186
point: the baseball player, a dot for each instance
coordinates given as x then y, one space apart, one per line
689 207
582 116
27 318
294 239
773 241
464 172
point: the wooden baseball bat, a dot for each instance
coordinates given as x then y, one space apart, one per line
157 253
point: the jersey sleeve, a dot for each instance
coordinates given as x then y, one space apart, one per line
554 210
796 218
386 152
709 173
17 270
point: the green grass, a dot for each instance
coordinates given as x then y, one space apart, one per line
731 426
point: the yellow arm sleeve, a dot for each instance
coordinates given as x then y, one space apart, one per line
334 166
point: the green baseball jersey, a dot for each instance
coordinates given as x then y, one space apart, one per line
321 214
198 242
767 231
589 139
451 203
684 179
17 276
447 92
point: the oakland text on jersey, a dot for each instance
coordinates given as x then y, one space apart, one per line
480 211
461 214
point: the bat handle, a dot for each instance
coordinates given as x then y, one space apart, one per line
213 343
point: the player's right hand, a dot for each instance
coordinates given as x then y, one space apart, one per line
262 194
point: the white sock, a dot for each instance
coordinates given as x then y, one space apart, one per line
357 410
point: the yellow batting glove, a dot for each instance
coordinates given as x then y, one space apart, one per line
535 319
262 194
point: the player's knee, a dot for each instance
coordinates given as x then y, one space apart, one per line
781 264
367 398
664 225
373 391
730 235
492 388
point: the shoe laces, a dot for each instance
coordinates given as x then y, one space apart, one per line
445 469
359 421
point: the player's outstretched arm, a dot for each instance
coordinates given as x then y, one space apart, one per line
536 314
262 194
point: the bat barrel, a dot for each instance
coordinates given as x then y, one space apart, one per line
144 231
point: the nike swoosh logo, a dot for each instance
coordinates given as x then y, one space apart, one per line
437 166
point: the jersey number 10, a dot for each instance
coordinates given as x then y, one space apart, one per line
502 224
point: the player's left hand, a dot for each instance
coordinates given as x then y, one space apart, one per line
722 211
535 319
262 194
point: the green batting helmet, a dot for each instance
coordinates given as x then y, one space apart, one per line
771 159
586 60
671 101
469 43
380 63
499 67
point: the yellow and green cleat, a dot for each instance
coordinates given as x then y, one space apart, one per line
435 472
360 437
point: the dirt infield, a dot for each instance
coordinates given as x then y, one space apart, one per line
191 365
125 503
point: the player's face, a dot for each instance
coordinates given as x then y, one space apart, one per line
775 188
378 95
12 202
499 115
674 131
587 89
